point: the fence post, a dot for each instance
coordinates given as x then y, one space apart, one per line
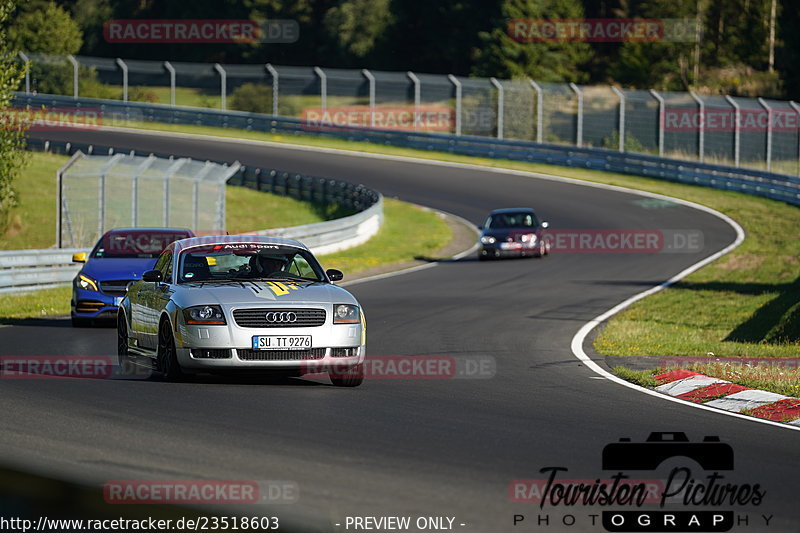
121 64
371 80
457 85
60 194
75 67
701 127
223 85
27 60
736 128
621 126
171 70
274 74
660 121
135 188
196 193
500 106
415 80
539 110
167 178
323 88
579 125
769 132
796 107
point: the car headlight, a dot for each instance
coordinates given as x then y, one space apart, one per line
488 239
346 314
207 315
86 283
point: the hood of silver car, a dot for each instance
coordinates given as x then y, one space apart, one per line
254 292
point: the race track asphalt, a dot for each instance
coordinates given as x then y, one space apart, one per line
408 447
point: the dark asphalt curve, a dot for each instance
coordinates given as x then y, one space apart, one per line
411 447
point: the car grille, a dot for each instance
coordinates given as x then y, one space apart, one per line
256 318
117 287
344 352
281 355
217 353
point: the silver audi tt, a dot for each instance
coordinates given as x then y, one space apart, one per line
241 303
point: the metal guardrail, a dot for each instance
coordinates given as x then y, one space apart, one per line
771 185
25 270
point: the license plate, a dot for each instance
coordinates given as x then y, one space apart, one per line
510 245
281 342
117 300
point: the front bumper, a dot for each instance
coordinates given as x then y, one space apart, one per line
229 347
519 249
93 304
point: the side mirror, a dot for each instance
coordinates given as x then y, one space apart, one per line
545 225
153 276
334 275
80 257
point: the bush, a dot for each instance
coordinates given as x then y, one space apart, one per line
252 97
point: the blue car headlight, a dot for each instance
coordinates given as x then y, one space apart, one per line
86 283
488 239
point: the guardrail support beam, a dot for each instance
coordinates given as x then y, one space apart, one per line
579 121
621 126
768 155
223 86
275 77
457 85
371 81
168 66
539 111
661 110
737 128
75 67
417 95
701 126
121 64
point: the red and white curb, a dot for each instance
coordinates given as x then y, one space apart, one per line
714 392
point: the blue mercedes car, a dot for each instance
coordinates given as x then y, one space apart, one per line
119 258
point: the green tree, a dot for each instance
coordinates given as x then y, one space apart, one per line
503 56
48 29
12 138
358 24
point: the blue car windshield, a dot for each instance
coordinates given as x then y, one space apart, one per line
135 244
512 220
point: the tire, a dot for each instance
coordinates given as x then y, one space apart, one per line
347 377
167 356
126 366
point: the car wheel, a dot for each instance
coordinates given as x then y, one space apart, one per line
125 363
167 356
351 376
78 322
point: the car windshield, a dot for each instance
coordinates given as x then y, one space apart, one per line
248 261
135 244
523 219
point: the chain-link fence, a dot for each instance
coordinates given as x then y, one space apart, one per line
97 193
746 132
